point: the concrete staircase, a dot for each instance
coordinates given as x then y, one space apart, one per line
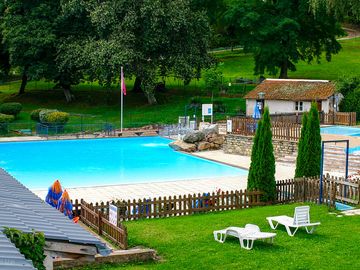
334 160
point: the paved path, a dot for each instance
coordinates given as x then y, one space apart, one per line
157 189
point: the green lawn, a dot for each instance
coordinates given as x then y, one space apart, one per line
187 242
237 64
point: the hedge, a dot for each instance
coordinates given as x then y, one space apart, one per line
11 108
5 118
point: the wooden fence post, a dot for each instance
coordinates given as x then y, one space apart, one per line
100 222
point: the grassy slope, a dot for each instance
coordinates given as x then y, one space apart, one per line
103 105
238 64
187 242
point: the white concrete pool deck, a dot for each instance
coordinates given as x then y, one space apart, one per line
157 189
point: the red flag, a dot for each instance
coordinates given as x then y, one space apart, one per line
123 86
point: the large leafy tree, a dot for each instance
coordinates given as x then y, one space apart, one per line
28 32
150 38
281 33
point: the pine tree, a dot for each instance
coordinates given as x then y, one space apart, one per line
251 184
266 170
312 143
300 160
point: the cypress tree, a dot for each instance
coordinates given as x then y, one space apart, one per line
312 144
251 183
265 154
300 160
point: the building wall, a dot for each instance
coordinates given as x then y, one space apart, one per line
242 145
283 106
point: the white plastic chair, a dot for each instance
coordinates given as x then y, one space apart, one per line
301 219
246 235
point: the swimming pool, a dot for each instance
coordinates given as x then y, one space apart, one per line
98 162
341 130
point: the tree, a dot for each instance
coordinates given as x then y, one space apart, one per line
262 172
254 165
282 33
150 38
300 160
312 144
350 89
342 8
29 38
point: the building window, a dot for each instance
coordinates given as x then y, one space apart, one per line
299 106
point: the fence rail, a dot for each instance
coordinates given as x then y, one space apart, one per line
336 118
292 190
280 130
95 220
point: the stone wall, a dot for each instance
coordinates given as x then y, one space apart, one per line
242 145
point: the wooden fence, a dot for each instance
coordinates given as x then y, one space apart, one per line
280 130
339 118
100 223
308 190
292 190
336 118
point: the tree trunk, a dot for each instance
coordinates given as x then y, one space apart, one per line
137 85
24 80
284 70
151 98
68 95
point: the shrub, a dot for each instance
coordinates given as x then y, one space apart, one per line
35 114
4 118
31 245
56 118
11 108
219 106
44 113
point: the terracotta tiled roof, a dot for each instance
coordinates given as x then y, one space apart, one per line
278 89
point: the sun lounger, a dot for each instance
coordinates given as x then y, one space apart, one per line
246 235
301 219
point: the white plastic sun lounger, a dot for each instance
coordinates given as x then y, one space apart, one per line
301 219
246 235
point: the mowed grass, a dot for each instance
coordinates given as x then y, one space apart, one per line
187 242
346 63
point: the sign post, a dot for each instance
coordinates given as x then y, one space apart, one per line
207 110
113 214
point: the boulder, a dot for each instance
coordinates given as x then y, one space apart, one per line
211 129
204 146
179 145
219 140
194 136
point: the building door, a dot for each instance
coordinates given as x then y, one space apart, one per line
319 105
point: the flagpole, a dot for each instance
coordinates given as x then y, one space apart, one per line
122 100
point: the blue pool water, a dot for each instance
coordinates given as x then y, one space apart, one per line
78 163
341 130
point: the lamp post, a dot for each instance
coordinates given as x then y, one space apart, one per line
261 101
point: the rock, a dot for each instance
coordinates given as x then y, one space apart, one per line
211 129
183 146
203 146
215 138
193 137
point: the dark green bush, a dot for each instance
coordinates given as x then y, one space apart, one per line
219 106
11 108
195 102
4 118
35 114
31 245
